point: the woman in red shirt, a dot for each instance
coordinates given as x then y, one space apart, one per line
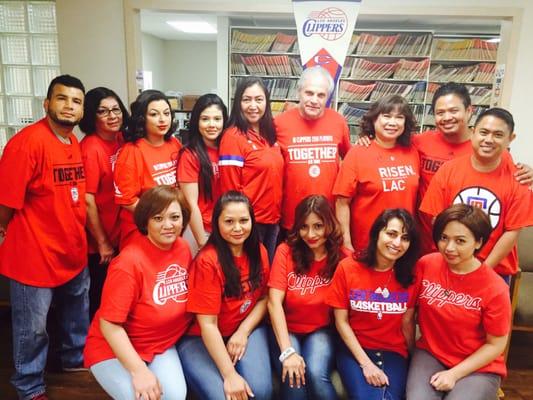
383 175
373 297
197 168
299 280
148 158
130 347
464 313
225 354
250 158
104 120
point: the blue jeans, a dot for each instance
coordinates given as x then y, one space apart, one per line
268 235
393 364
29 309
204 379
318 350
116 380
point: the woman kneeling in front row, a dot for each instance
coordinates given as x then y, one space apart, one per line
373 299
464 313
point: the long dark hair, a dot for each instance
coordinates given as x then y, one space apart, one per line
194 143
302 255
136 128
403 267
383 106
251 248
92 101
266 124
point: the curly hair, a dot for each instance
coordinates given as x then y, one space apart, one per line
136 128
302 255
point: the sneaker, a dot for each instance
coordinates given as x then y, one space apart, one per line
41 396
76 368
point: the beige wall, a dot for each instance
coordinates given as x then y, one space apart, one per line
153 59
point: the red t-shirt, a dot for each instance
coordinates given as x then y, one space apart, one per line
141 166
250 165
99 157
146 292
207 291
376 178
455 326
497 193
304 305
375 302
43 180
312 151
434 151
189 172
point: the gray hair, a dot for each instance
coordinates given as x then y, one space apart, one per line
312 73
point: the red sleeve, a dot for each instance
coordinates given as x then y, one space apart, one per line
230 162
121 291
128 175
496 318
336 295
345 143
16 170
346 182
434 200
206 287
91 163
278 272
518 212
188 168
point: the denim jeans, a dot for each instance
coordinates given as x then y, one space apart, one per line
393 364
98 273
204 379
268 235
318 350
116 380
29 309
475 386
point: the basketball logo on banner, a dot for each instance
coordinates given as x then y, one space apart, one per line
481 198
329 24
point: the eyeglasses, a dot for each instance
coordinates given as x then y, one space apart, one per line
106 112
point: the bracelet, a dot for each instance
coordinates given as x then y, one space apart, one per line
365 365
289 351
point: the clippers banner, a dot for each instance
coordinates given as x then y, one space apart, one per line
325 29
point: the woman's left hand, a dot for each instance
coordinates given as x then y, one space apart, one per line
237 345
443 381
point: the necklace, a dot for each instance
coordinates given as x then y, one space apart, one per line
385 293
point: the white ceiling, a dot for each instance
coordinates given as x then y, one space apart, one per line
154 23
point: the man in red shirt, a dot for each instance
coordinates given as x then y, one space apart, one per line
44 252
485 179
313 138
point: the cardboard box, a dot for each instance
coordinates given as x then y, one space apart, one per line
189 101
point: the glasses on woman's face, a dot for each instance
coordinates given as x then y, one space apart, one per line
106 112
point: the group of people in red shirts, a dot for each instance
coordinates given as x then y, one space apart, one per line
192 244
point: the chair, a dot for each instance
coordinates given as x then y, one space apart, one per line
523 283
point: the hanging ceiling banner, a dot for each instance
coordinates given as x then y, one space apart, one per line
325 29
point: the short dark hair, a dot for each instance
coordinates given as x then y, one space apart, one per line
474 218
266 124
457 89
499 113
301 253
92 101
385 105
156 200
136 128
193 141
251 248
403 267
65 80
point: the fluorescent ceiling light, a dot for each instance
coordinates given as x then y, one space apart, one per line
494 40
192 26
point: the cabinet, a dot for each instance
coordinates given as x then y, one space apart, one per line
379 63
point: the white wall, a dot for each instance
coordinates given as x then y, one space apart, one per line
190 66
92 43
153 59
